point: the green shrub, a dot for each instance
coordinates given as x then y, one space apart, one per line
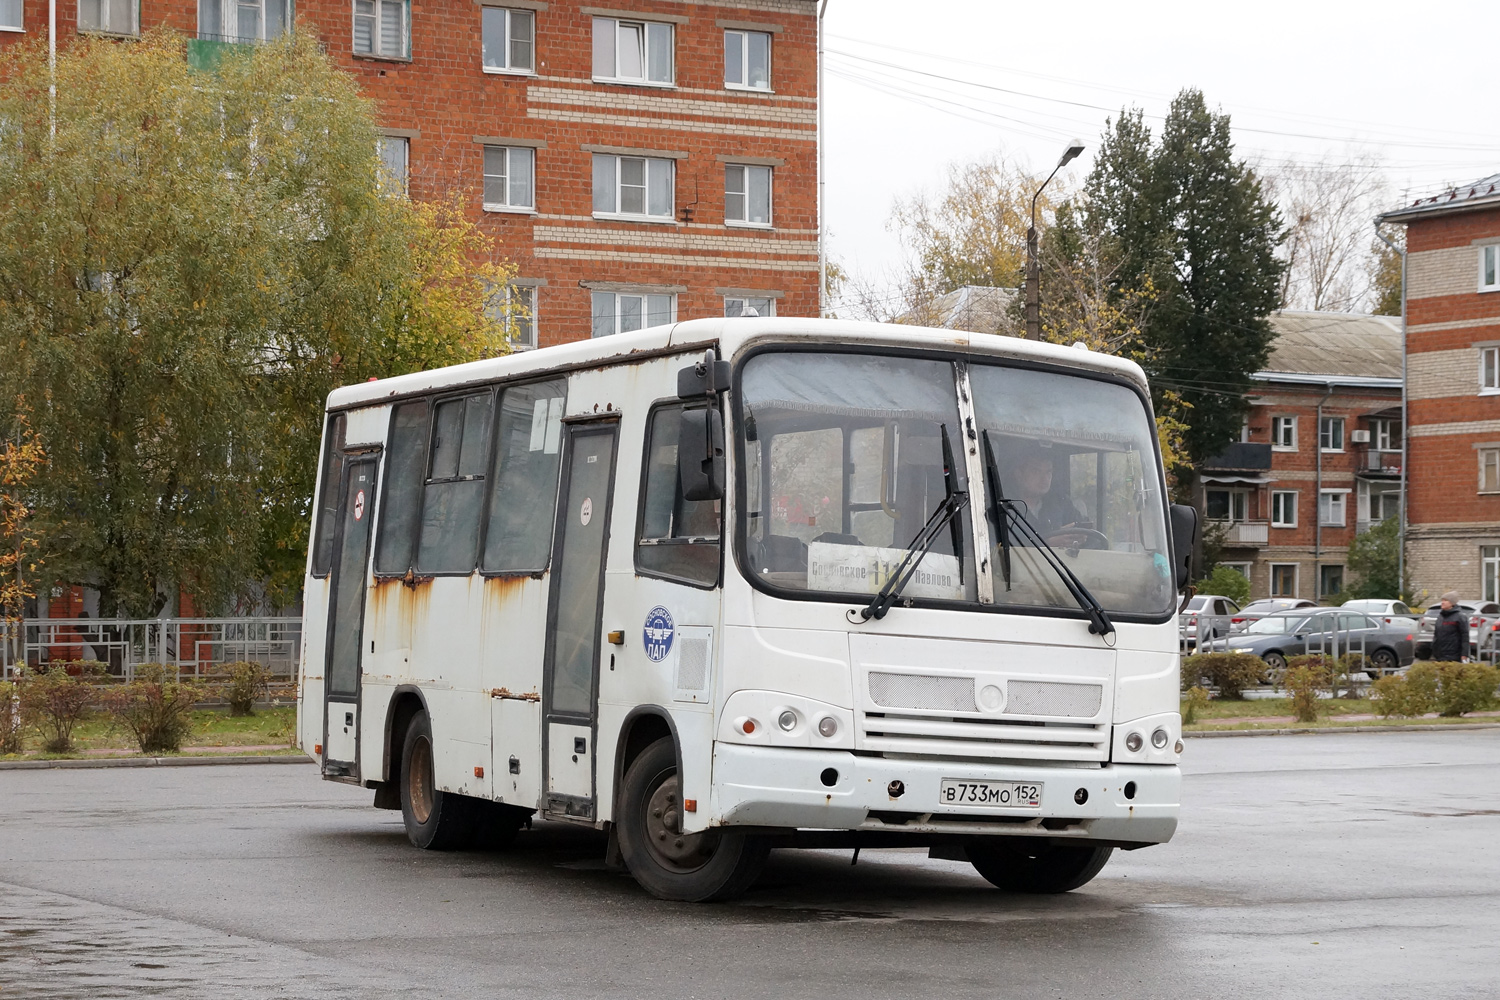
156 707
247 682
1303 682
1397 695
1231 673
1196 701
55 700
12 735
1466 687
1226 581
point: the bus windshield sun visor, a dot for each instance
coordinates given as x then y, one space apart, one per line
1005 513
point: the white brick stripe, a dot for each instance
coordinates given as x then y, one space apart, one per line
681 125
675 260
1456 427
671 105
1457 324
673 240
1449 271
1442 374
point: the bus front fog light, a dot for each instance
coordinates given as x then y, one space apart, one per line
1133 742
787 720
1159 739
828 727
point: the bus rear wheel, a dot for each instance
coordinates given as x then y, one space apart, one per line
1023 865
435 820
670 864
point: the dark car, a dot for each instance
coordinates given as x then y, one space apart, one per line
1275 638
1484 623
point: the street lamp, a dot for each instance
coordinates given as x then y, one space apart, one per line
1033 269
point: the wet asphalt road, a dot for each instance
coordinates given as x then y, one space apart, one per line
1314 866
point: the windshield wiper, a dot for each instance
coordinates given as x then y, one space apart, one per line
946 513
1004 510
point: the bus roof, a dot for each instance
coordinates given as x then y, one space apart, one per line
731 336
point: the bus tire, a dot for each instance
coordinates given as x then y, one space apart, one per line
694 868
435 820
1021 864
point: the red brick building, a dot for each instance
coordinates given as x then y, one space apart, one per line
1453 388
640 163
1319 460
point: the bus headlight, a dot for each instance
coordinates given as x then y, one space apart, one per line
828 727
1159 739
1134 742
787 720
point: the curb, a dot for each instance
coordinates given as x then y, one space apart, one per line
1214 733
30 765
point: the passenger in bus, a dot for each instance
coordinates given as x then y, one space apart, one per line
1029 483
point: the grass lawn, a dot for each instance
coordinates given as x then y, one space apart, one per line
1276 713
268 727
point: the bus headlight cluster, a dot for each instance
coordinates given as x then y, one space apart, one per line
1134 742
828 727
1159 739
787 720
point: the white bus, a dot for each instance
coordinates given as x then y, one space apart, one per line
730 585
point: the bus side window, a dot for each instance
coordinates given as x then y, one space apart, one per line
677 539
331 481
454 494
523 492
406 467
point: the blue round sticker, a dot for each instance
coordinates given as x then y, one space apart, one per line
658 633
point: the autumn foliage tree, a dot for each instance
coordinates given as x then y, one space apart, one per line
189 262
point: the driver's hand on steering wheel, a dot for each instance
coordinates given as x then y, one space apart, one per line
1076 538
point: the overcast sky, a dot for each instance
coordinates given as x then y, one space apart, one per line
1415 84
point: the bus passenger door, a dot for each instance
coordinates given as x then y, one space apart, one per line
346 613
570 679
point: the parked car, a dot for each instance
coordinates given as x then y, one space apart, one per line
1266 606
1484 623
1277 637
1385 610
1207 615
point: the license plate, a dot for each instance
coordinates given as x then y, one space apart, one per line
1014 794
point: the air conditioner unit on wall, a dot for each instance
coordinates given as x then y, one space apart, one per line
1359 437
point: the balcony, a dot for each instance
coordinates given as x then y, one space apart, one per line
1382 464
1242 456
1245 534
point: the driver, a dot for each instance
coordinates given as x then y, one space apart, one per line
1050 511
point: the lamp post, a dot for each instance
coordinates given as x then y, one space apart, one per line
1033 269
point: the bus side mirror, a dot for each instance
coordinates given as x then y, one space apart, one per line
1184 537
707 378
700 453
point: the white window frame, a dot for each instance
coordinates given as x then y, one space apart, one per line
104 7
1332 500
1277 426
652 164
744 194
229 18
1331 423
1237 499
509 15
1489 461
377 33
1242 568
1489 572
1489 267
1296 569
526 326
20 24
1384 434
744 301
1489 370
1276 520
647 28
1323 571
744 44
644 296
513 207
385 173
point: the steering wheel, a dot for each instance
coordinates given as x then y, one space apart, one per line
1091 539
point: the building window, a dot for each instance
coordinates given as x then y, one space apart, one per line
1387 434
395 152
1384 505
632 51
1489 470
516 307
747 60
749 305
1489 369
10 15
1489 562
115 17
1331 434
1331 505
622 312
243 20
1284 509
381 28
638 186
1330 581
747 195
508 40
1227 505
678 539
1242 568
1284 433
509 179
1489 268
1283 579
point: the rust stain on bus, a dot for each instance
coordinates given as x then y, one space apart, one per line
508 694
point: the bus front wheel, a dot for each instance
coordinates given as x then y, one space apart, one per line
670 864
1022 865
435 820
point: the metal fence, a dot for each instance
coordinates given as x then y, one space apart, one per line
196 647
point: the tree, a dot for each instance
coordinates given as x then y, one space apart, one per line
1186 219
1332 260
189 262
1385 264
1374 558
20 458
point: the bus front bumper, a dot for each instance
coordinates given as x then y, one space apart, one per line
786 789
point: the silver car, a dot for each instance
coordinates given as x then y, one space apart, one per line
1206 616
1278 637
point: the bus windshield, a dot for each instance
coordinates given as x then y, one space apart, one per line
843 465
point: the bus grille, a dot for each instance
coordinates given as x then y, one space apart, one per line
897 733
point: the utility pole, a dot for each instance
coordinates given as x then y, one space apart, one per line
1401 503
1033 268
